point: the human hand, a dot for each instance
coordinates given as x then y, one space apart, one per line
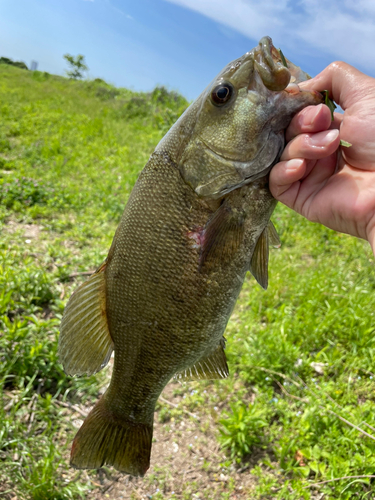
335 187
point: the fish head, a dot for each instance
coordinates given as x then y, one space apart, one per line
234 132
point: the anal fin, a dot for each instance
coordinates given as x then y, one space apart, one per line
85 344
213 366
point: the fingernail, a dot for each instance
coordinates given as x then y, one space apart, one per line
294 164
324 138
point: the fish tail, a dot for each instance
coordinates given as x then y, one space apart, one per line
107 439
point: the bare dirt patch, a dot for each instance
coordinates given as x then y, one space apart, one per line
27 231
186 461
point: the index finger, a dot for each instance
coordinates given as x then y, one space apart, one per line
310 120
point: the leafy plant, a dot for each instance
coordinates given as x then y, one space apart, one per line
77 66
244 428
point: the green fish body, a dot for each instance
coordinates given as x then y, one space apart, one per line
196 221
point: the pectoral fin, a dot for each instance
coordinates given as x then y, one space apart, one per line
85 344
213 366
259 260
223 235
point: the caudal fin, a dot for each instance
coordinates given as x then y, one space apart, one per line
105 439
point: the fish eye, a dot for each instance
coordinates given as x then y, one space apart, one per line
222 93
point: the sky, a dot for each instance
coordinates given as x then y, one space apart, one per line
183 44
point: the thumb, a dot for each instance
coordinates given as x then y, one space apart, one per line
346 85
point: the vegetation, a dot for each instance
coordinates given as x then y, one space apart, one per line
77 66
69 155
18 64
298 408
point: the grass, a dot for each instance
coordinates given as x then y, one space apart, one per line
298 408
70 153
306 349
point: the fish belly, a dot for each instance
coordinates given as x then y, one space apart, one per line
164 310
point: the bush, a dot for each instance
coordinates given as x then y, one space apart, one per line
18 64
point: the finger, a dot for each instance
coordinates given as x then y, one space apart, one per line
337 120
309 120
311 185
309 179
312 146
284 174
345 84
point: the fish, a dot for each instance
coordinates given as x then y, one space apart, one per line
196 221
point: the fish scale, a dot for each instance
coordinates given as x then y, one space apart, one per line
191 325
196 221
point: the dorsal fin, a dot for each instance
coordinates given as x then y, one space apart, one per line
223 235
85 344
213 366
259 260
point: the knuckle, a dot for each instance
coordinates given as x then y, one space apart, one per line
303 142
337 66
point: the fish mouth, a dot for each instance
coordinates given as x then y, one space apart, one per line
294 90
270 67
276 71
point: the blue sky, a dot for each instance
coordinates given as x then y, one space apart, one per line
183 44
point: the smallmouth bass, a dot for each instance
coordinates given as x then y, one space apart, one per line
197 220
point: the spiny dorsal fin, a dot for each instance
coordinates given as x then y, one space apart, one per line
273 237
259 260
213 366
85 344
222 236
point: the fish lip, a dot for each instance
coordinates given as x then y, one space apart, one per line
274 74
292 88
314 93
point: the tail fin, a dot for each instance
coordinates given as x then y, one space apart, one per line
106 439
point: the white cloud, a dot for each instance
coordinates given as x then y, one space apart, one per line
118 10
343 29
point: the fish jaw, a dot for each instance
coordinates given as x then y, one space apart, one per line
222 147
274 74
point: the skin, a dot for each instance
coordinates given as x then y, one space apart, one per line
324 183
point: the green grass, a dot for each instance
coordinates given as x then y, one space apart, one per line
319 308
70 153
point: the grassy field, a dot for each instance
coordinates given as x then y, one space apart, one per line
295 420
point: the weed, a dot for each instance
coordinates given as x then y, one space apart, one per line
244 428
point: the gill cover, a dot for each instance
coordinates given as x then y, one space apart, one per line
234 131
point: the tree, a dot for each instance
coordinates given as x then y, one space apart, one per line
77 66
19 64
